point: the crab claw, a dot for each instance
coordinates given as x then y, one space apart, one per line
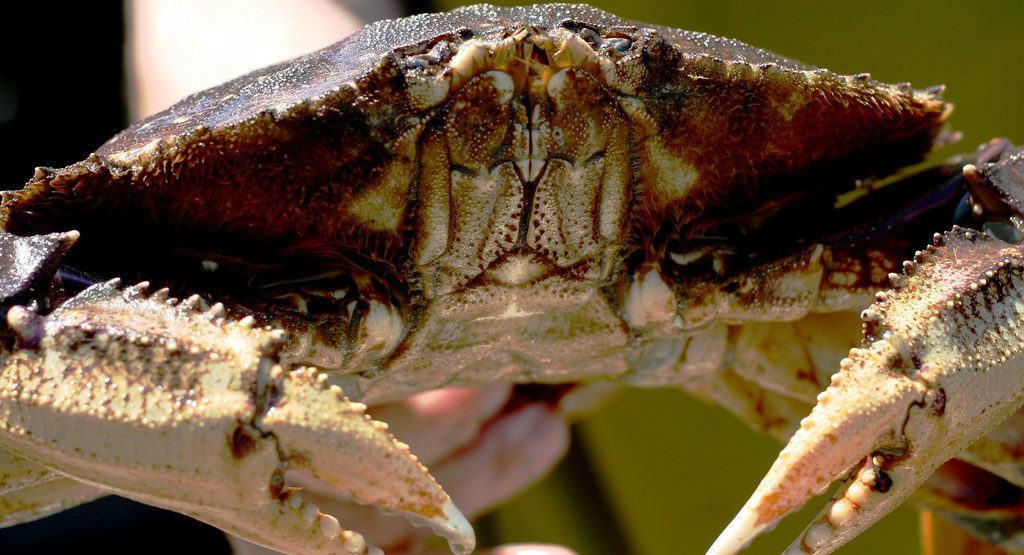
329 436
861 413
181 408
941 365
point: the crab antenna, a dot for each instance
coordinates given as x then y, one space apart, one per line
865 403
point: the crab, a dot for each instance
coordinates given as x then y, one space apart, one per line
533 195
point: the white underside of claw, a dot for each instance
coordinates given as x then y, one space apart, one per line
451 524
740 532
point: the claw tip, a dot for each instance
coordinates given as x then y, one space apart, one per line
741 531
457 530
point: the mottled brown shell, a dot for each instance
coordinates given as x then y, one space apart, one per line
322 151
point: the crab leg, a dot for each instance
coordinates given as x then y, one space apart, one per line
156 400
941 366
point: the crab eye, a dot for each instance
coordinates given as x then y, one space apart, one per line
618 44
420 61
438 54
590 36
442 52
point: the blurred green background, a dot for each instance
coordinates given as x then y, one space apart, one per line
673 471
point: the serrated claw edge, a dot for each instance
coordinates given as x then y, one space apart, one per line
364 461
187 410
939 367
843 428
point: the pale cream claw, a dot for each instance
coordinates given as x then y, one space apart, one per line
155 400
939 368
330 436
868 403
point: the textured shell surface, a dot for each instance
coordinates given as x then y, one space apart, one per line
485 178
285 134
